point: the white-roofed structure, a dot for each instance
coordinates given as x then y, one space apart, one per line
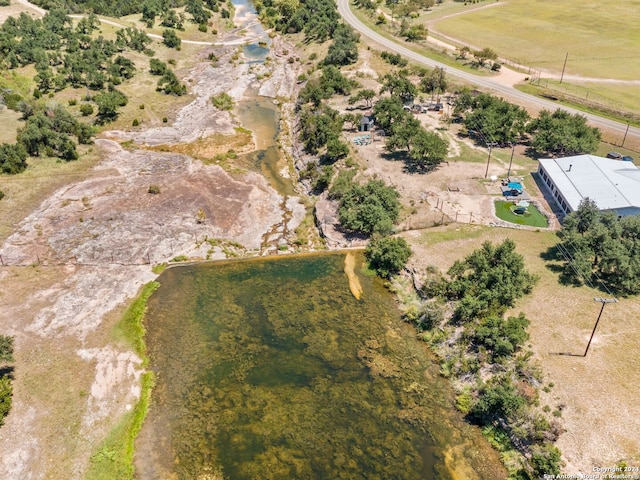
613 185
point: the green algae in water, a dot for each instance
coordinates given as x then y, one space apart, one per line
271 369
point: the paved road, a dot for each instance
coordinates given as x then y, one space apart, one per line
485 82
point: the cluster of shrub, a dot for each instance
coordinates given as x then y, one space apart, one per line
493 119
47 131
597 247
64 55
318 19
482 351
150 9
168 82
6 376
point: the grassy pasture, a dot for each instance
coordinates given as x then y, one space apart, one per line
601 38
612 95
597 393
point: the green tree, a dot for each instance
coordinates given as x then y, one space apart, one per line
199 14
545 460
496 119
428 150
6 392
488 281
561 133
498 400
6 349
365 94
108 105
501 337
436 81
171 39
157 67
482 56
388 111
344 49
370 208
398 84
387 255
13 158
319 127
599 247
403 133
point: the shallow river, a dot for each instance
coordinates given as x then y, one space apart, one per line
272 369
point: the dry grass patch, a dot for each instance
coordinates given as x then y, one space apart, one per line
207 149
15 9
596 395
25 191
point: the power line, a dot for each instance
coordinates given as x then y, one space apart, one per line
593 274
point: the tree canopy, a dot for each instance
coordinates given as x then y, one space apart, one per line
370 208
599 247
488 281
496 119
562 133
344 49
387 255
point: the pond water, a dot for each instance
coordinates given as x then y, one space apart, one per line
272 369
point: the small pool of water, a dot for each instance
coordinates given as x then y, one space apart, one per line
261 116
255 53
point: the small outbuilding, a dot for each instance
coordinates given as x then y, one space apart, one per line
366 123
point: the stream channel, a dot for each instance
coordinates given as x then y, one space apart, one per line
271 368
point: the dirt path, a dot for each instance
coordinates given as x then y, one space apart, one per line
88 248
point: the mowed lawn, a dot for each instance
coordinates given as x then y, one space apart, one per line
602 38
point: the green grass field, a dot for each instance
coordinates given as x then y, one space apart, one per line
532 217
601 38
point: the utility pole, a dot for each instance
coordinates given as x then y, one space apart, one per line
604 301
564 66
490 145
625 135
513 149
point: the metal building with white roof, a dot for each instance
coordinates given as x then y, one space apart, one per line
613 185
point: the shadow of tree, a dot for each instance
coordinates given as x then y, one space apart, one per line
410 165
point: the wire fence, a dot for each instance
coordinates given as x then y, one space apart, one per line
102 260
443 213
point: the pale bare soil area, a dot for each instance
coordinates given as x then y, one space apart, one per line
72 265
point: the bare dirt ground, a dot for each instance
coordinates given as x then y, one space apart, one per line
74 263
457 191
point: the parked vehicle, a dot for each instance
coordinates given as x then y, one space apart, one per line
614 155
